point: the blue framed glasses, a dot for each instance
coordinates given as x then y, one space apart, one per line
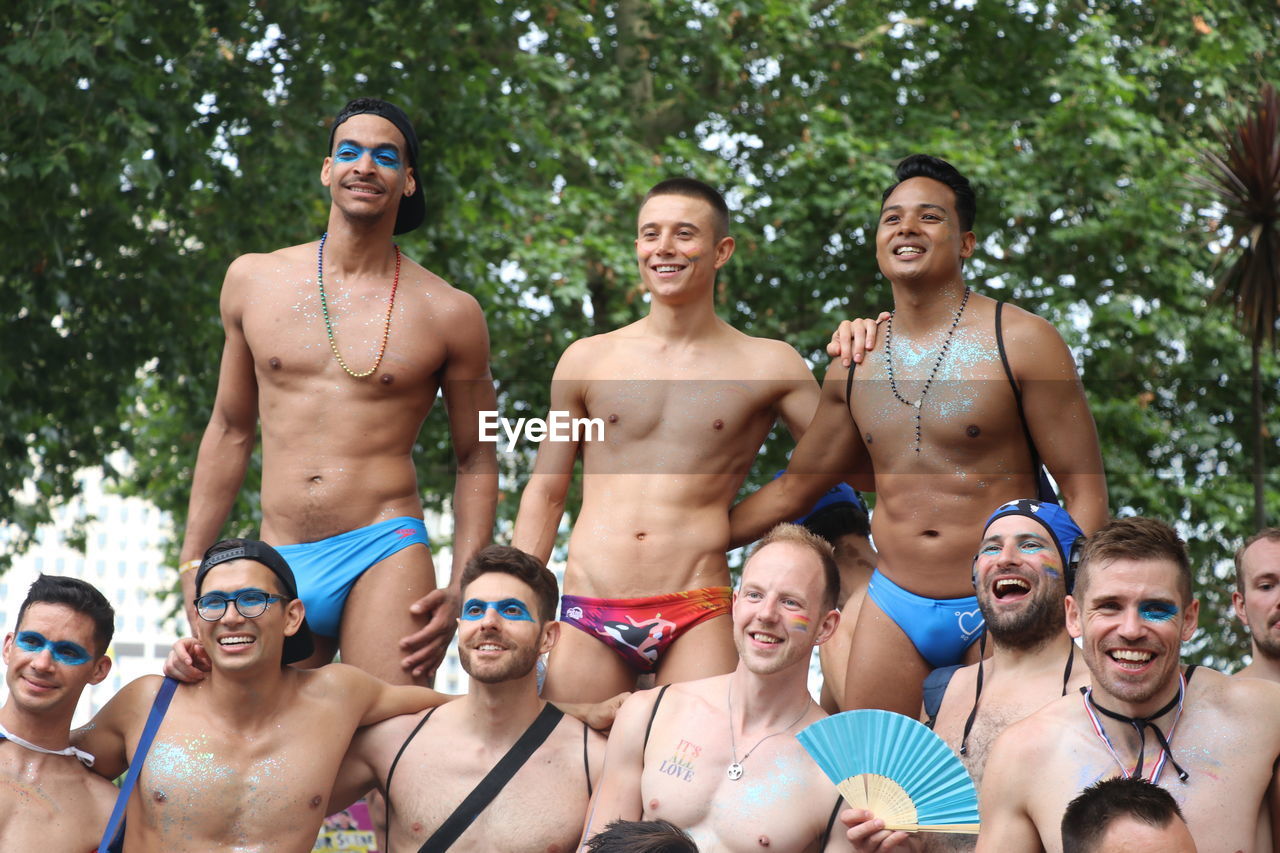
250 603
63 651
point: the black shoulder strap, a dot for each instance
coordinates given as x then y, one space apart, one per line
113 835
656 702
480 797
848 387
396 760
1044 488
831 821
1190 671
586 759
935 687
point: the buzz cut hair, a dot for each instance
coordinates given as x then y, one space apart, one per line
1134 538
821 548
694 188
1091 814
1270 534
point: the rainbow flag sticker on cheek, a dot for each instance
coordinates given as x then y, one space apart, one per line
799 623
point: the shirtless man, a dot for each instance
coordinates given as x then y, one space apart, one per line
1257 601
343 367
718 757
840 517
1210 740
49 799
245 759
686 401
1125 816
438 758
938 415
1022 574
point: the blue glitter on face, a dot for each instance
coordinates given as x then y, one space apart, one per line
511 609
385 156
63 651
1157 611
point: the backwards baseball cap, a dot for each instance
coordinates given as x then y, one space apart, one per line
299 646
1063 530
413 208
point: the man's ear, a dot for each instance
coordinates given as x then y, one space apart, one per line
1237 604
827 627
724 250
294 612
324 171
550 636
1190 620
410 182
968 242
1073 616
101 667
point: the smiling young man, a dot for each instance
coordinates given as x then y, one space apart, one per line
1211 741
427 765
686 401
1257 601
246 758
49 799
339 346
718 757
954 413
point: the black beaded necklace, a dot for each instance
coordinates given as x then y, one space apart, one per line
942 353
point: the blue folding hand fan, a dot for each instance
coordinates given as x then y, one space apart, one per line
896 768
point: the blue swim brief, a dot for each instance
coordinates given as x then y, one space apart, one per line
940 630
326 570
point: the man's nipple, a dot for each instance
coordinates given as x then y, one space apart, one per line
275 363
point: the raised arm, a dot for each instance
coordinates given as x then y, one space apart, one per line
228 439
467 386
1058 414
619 794
543 499
830 451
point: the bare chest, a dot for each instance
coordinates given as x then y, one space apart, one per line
49 811
541 810
963 405
781 803
234 791
294 339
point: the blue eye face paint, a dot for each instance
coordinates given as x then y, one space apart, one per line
1157 611
63 651
511 609
384 155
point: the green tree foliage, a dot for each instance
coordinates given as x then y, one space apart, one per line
147 146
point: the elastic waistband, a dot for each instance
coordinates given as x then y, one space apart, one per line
703 594
417 524
888 587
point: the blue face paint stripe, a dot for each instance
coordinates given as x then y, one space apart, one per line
63 651
511 609
1157 611
384 155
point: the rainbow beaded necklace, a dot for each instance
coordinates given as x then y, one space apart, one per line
328 326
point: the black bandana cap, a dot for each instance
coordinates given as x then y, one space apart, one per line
413 208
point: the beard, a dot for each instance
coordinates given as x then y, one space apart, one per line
1038 622
517 663
1267 644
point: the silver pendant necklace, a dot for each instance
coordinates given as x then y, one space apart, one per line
735 770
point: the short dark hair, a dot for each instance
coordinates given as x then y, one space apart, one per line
1271 534
1089 815
927 166
525 567
838 520
822 549
642 836
694 188
81 597
1134 539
